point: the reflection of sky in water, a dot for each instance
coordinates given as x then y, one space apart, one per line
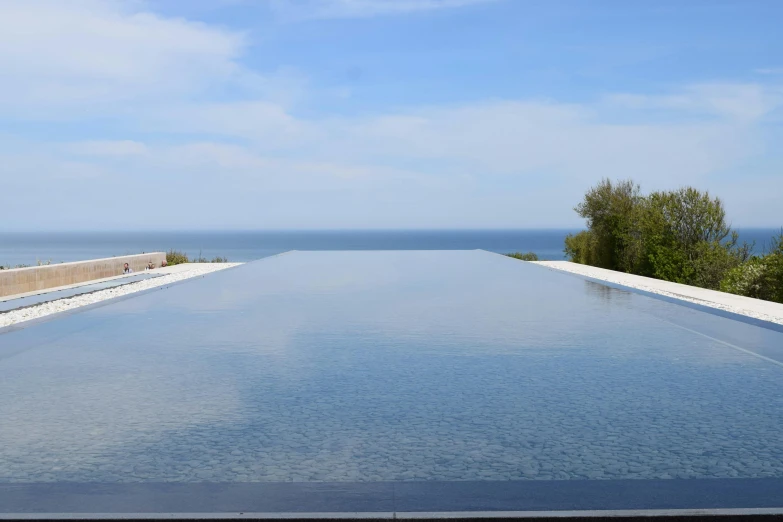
367 366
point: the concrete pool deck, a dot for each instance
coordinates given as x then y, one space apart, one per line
755 308
173 269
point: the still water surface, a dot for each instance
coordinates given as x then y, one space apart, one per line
389 366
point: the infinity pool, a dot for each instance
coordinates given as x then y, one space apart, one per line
375 377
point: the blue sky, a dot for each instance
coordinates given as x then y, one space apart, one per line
196 114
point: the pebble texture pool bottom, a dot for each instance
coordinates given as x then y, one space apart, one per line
389 366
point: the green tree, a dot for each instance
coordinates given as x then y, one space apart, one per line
611 210
679 235
760 277
712 260
687 240
747 279
773 277
582 248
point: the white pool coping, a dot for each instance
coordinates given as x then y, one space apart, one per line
168 276
747 306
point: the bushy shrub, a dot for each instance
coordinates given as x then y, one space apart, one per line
773 262
216 259
582 248
175 257
678 235
746 279
712 260
611 210
773 277
9 267
759 277
528 256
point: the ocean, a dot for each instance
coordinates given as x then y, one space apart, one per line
29 248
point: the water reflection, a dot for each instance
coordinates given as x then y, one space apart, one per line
401 366
607 293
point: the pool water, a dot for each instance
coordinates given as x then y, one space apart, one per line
391 367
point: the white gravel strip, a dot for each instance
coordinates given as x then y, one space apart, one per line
69 303
756 308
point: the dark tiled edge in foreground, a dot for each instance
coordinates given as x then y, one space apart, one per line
379 499
506 516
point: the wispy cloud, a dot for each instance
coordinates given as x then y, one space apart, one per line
95 51
120 148
362 8
769 70
711 128
739 101
259 163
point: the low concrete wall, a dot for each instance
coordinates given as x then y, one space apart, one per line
22 280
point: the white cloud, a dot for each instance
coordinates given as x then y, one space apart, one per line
93 51
769 70
744 102
501 163
236 163
578 142
362 8
119 148
260 121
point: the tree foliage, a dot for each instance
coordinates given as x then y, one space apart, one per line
175 257
610 211
760 276
680 235
582 248
528 256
